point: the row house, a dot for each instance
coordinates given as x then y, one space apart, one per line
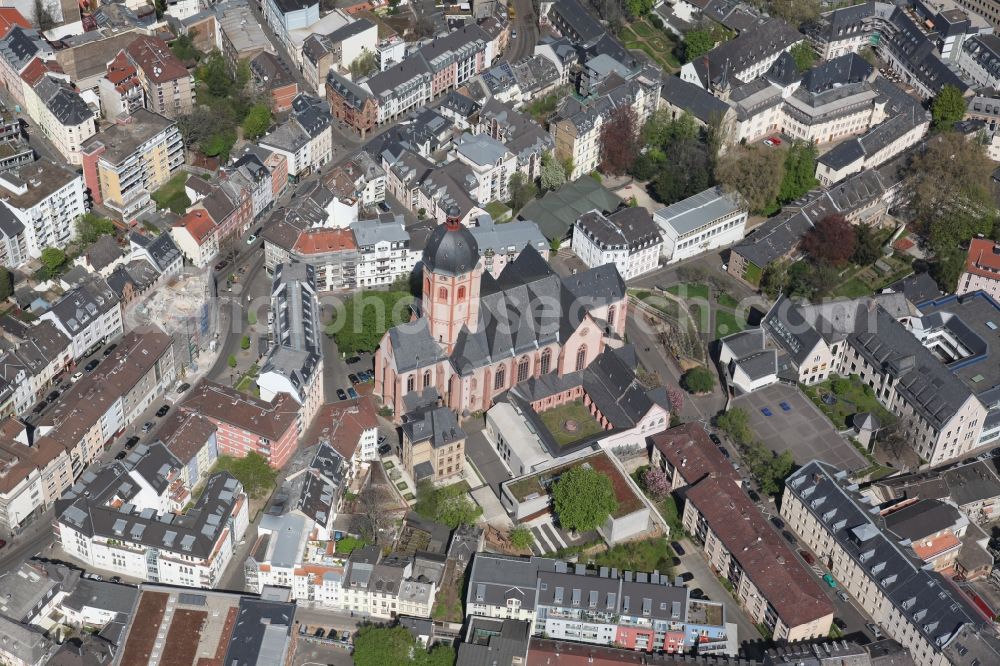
61 115
124 518
196 236
246 423
35 357
18 48
644 612
101 404
89 315
519 133
121 89
32 475
41 202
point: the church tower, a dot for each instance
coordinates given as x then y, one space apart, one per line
452 272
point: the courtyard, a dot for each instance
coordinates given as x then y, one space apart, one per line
570 423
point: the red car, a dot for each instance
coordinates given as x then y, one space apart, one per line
807 556
772 141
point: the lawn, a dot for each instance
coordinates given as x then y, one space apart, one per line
172 195
853 288
690 290
649 555
555 420
727 323
363 318
726 301
665 305
852 397
248 382
656 43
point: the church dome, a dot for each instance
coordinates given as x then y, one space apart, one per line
451 249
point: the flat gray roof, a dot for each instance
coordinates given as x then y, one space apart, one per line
697 211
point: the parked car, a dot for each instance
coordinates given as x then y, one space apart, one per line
162 411
843 596
251 238
110 349
52 396
94 576
807 556
147 426
698 593
383 206
874 628
513 33
840 623
131 442
384 450
829 580
687 576
753 496
351 360
115 579
76 376
778 522
724 451
677 548
772 141
320 632
39 407
351 393
341 395
715 439
222 264
354 378
183 387
346 636
93 364
382 439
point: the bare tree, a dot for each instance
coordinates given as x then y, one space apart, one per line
371 510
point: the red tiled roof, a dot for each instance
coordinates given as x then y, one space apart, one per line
693 454
984 258
155 59
199 224
9 17
325 240
227 405
34 72
796 597
120 69
343 423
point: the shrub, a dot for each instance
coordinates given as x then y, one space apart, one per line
697 380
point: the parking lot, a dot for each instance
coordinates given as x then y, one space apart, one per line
798 426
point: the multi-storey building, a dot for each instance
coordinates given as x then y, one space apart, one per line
248 424
367 177
385 587
627 238
41 202
384 252
168 85
191 439
492 166
197 237
637 610
982 269
61 115
121 89
124 517
742 59
124 164
701 223
306 138
88 315
433 444
18 48
35 356
913 604
294 365
284 16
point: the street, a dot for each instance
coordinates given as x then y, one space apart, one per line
526 30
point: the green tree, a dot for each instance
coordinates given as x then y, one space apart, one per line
522 190
736 424
257 122
697 380
252 470
687 172
245 342
867 248
638 8
53 258
697 43
948 108
214 74
796 12
521 537
804 56
364 65
583 499
6 283
449 505
365 318
552 174
378 646
183 47
800 171
774 279
90 227
232 361
662 129
160 7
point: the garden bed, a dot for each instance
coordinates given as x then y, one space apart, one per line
852 397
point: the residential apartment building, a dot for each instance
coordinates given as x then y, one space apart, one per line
124 518
88 315
979 59
197 237
492 166
284 16
191 440
19 47
384 253
626 238
169 87
305 139
124 164
742 59
351 427
912 604
982 269
502 244
121 89
768 581
433 444
246 423
337 50
576 127
367 176
34 356
294 365
518 132
99 406
701 223
640 611
61 115
385 587
899 356
41 202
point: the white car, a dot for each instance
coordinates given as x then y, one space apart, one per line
76 376
513 33
251 238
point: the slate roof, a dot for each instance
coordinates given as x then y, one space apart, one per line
631 227
557 211
700 103
438 425
79 307
751 46
922 598
63 102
